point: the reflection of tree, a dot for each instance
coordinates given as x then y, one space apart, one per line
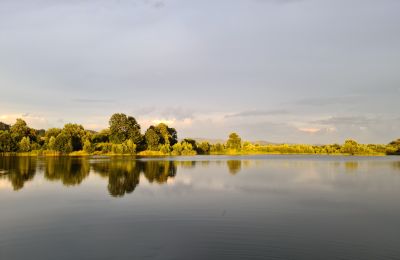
19 170
396 165
351 166
123 177
186 164
234 166
71 171
159 171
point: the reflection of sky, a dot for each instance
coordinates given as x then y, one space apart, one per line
299 205
295 71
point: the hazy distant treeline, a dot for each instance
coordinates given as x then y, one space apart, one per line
124 136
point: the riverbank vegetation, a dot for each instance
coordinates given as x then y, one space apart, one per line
124 137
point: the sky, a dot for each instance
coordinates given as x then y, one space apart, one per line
298 71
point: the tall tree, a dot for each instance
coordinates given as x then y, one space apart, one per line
168 135
152 139
124 127
19 130
234 142
25 144
7 143
75 133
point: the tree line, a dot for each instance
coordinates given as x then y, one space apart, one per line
124 136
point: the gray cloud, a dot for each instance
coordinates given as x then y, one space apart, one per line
93 100
347 120
178 113
251 113
313 58
327 101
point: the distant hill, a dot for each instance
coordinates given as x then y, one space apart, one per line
4 126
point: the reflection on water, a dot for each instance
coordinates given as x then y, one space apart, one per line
234 166
202 207
123 173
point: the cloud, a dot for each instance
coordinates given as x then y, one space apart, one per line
258 113
168 113
310 130
326 101
93 100
347 120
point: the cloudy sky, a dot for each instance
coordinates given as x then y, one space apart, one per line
315 71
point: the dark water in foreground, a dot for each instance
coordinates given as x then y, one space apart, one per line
261 207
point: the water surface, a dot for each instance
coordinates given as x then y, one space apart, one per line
203 207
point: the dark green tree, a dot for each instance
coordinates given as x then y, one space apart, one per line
76 134
7 143
168 135
203 148
63 143
124 127
234 142
4 127
25 144
152 139
19 130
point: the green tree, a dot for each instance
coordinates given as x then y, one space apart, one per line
51 143
203 148
7 143
124 127
87 146
130 147
167 135
4 127
75 133
63 143
19 130
350 147
25 144
101 137
234 142
152 139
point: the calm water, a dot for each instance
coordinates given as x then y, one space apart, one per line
260 207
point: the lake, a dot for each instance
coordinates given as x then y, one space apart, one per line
202 207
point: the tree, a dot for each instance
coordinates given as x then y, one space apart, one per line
130 147
51 143
4 127
25 144
102 137
152 139
75 133
124 127
183 148
7 143
168 135
87 146
203 148
350 147
19 130
63 143
234 142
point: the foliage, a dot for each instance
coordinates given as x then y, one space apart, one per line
124 127
152 138
4 127
25 144
88 147
183 148
124 137
63 143
7 143
234 142
75 133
